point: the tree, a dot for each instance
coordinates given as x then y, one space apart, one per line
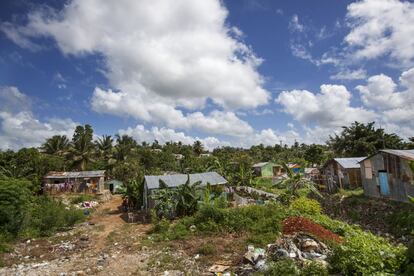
82 149
294 182
198 148
125 145
362 140
314 154
56 145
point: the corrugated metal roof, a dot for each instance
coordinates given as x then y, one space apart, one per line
213 178
261 164
349 163
82 174
407 154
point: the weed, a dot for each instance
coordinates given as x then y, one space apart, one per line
206 249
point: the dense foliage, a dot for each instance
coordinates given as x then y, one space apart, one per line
23 214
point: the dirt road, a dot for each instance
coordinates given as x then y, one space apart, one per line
105 245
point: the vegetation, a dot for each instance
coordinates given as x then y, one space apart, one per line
24 215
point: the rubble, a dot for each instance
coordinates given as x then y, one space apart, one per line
298 247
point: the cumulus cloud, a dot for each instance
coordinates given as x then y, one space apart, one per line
160 56
20 128
163 135
381 28
394 101
329 108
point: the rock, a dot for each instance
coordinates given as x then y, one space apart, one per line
218 268
261 265
80 273
197 256
193 228
84 238
309 245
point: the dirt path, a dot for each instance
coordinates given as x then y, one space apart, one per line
109 217
105 245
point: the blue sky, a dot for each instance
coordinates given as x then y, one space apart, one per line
225 72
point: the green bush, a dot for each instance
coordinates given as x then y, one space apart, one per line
314 269
283 267
363 253
81 198
49 215
306 206
206 249
15 199
407 267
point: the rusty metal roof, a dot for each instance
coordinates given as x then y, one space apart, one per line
82 174
406 154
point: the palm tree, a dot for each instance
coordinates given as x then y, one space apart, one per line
56 145
296 181
198 148
124 146
82 149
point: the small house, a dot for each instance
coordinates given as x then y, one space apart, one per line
344 173
178 156
312 174
113 185
266 169
152 183
75 182
388 174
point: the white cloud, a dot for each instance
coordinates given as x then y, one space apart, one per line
295 24
163 135
382 28
20 128
383 94
160 56
329 108
347 74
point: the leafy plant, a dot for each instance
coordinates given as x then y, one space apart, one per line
296 181
179 201
306 206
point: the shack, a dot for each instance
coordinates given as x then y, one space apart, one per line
74 182
266 169
388 174
152 183
313 174
344 173
113 185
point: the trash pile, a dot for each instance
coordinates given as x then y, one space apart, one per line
88 204
298 247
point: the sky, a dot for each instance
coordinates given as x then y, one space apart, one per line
234 73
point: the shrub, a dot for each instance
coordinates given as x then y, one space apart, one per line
49 215
293 225
365 254
306 206
407 267
206 249
81 198
314 269
283 267
15 198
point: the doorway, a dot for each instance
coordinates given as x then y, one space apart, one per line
383 183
